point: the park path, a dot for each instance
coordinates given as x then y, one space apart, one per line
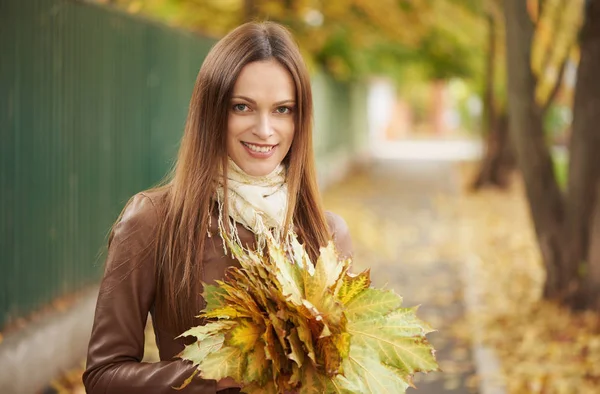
394 209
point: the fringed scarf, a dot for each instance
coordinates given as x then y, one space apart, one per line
259 203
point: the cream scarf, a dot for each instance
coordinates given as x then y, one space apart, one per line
259 203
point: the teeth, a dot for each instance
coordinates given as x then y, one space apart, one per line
261 149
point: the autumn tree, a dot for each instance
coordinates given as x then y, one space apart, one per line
349 39
567 225
555 30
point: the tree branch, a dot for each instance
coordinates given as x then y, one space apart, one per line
557 84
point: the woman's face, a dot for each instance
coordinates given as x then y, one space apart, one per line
260 125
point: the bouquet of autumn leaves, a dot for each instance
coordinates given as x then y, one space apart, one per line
282 323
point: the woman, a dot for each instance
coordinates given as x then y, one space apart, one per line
246 155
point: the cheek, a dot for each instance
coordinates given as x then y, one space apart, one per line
289 131
238 125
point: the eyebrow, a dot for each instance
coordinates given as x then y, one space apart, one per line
288 101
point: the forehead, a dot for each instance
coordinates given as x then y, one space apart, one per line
266 80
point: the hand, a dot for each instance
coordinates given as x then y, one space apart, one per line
228 383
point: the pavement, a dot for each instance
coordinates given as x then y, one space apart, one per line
392 209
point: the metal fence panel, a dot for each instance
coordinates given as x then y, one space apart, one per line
92 107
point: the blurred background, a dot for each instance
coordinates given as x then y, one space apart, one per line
458 138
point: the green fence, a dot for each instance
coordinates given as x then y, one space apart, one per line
92 106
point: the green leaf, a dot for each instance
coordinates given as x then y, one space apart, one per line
395 347
213 296
372 302
257 367
365 374
403 322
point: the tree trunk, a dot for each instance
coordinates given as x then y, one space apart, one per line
589 295
497 162
584 170
533 156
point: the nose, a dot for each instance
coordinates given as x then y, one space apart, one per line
263 129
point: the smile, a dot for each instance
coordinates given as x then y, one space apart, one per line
259 148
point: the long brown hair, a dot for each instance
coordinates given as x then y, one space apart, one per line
190 190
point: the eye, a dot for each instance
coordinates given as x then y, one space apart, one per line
240 107
283 110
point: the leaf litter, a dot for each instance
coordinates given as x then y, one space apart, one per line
543 348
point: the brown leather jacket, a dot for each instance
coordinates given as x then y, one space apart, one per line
127 294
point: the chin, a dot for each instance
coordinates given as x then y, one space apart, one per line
259 170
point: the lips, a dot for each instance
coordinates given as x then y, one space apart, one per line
259 148
259 151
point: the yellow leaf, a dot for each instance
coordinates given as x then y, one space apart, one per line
244 336
227 312
187 381
273 349
268 388
257 367
329 267
227 362
297 353
209 329
352 285
342 343
198 351
287 274
305 336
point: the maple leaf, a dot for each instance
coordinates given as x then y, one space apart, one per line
281 323
352 285
244 336
227 362
258 365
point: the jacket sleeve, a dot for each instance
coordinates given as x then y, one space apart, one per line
340 234
126 295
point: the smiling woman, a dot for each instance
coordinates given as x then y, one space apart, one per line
260 126
245 166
